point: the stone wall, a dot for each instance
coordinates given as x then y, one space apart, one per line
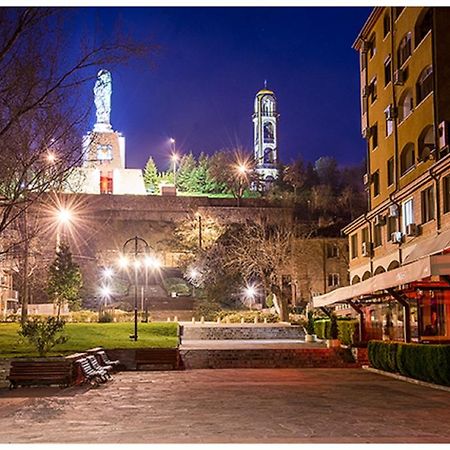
4 371
204 332
266 358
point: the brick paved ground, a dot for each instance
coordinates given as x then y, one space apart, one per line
231 405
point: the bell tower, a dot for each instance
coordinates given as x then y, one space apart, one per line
265 125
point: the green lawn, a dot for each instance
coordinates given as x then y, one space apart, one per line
82 336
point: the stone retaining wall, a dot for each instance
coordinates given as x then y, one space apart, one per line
265 358
4 371
204 332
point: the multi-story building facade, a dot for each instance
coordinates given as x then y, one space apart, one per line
399 266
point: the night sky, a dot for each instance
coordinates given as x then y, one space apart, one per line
201 86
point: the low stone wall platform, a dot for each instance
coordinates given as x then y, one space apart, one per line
240 331
267 358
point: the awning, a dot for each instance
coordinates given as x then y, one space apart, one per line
430 246
416 271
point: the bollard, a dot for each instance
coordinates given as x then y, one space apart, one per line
202 319
193 320
168 319
175 319
265 319
255 320
242 320
227 320
218 320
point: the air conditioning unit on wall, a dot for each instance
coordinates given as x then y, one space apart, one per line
393 211
397 237
390 112
412 229
443 135
379 220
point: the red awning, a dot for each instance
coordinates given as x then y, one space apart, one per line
416 271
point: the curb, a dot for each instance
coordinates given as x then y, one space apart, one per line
407 379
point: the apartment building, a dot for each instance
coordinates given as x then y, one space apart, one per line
399 263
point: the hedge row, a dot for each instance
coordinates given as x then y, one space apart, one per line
426 362
347 328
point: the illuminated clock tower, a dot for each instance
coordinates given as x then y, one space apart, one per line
265 125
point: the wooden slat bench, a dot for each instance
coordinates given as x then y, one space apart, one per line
158 358
40 372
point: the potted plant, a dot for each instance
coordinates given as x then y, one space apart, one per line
310 333
334 333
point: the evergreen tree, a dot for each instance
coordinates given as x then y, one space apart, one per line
64 281
151 176
201 176
185 174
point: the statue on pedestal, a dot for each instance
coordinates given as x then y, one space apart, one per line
102 93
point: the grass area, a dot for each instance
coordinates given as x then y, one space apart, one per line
82 336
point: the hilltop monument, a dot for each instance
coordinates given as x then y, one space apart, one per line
103 169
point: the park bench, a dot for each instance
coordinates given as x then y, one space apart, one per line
104 370
103 358
105 361
40 372
159 358
89 374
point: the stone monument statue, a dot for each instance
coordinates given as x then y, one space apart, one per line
102 93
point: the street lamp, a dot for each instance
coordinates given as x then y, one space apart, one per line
139 246
242 171
105 291
64 218
174 159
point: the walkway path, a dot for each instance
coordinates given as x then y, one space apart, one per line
232 405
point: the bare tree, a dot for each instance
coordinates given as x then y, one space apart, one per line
42 111
294 175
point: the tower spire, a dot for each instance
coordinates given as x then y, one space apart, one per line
265 84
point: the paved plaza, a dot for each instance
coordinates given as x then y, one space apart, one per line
230 405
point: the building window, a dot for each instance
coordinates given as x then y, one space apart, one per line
387 71
373 90
376 183
427 197
374 136
424 85
390 172
386 25
423 25
365 237
268 132
104 152
405 105
426 143
354 246
377 239
391 227
407 158
407 214
446 193
332 251
397 11
372 45
106 183
333 279
388 122
404 50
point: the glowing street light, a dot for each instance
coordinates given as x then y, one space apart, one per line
105 291
64 216
108 272
250 292
51 157
123 261
151 262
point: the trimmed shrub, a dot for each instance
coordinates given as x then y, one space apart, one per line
178 285
334 331
310 324
426 362
346 329
322 328
248 316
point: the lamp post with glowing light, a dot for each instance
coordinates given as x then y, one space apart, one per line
242 171
64 217
139 246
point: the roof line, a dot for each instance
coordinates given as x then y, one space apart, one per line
368 25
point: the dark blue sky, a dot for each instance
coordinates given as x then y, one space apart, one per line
211 63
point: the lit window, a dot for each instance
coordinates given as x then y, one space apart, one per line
104 152
407 214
